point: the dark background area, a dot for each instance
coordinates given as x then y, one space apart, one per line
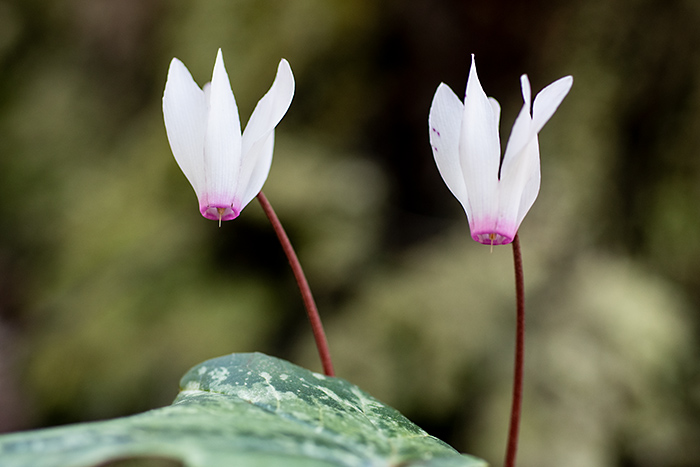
112 285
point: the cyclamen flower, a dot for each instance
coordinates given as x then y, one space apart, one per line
467 151
226 169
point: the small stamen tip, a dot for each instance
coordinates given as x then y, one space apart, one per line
492 236
221 213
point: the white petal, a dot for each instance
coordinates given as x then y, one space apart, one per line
526 176
522 131
222 145
271 108
258 142
533 177
445 123
519 186
185 115
261 153
480 150
207 93
496 110
548 100
527 125
520 171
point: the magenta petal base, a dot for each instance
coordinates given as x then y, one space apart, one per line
211 211
489 231
492 238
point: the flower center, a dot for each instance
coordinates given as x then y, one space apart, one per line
492 238
218 212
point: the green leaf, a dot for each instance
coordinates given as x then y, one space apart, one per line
246 410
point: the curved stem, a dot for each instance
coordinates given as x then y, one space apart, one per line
516 408
309 303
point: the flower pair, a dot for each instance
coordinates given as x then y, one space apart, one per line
227 169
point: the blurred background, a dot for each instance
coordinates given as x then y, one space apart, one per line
112 285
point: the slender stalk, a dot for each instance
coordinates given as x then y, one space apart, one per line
309 303
516 408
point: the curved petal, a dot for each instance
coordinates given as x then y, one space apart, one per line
271 108
521 169
519 187
207 94
496 110
522 133
527 125
444 123
520 174
480 154
548 100
222 148
532 174
256 142
185 116
261 153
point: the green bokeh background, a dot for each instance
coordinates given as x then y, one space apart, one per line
112 285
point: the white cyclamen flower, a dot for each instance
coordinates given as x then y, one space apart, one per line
226 169
467 151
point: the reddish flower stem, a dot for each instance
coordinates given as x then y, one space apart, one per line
516 408
309 303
